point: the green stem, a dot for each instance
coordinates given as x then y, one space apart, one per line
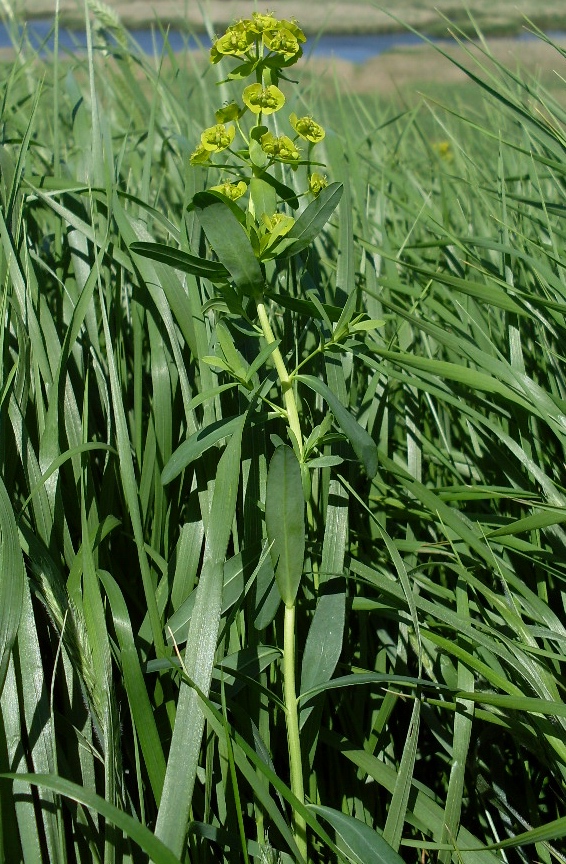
285 379
292 720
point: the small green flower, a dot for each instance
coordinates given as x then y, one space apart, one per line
217 138
229 112
281 148
233 191
317 182
282 41
277 225
280 223
200 156
236 41
264 100
260 22
444 150
307 128
294 28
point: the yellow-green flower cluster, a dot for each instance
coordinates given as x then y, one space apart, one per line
263 100
281 149
307 128
262 32
233 191
317 182
264 45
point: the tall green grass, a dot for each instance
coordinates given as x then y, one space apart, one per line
430 626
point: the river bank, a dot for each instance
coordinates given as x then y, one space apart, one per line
356 16
404 71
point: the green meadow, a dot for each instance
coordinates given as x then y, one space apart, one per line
282 476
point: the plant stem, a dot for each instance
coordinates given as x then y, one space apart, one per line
285 379
292 719
289 689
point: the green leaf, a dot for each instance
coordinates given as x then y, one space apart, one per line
196 445
233 357
531 523
324 461
138 833
284 193
138 698
363 444
393 830
304 307
326 632
285 521
182 261
228 238
549 831
236 572
173 815
382 679
323 645
263 197
267 597
261 358
312 220
11 581
361 843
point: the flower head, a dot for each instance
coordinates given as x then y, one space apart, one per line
233 191
264 100
317 182
444 150
229 112
200 156
273 229
236 41
282 41
260 22
217 138
282 149
307 128
294 28
279 223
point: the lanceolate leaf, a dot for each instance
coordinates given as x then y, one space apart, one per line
311 221
182 261
363 845
398 807
304 307
135 686
196 445
173 815
138 833
285 521
364 446
230 242
12 577
324 641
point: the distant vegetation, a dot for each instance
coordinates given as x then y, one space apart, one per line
503 17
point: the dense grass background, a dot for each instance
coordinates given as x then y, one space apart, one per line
433 596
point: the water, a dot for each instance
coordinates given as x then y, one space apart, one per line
356 49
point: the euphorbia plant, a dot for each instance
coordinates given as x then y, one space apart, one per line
269 203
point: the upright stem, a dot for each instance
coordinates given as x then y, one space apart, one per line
293 735
289 687
286 382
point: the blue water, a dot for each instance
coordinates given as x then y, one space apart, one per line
356 49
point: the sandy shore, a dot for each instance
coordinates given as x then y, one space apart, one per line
413 68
